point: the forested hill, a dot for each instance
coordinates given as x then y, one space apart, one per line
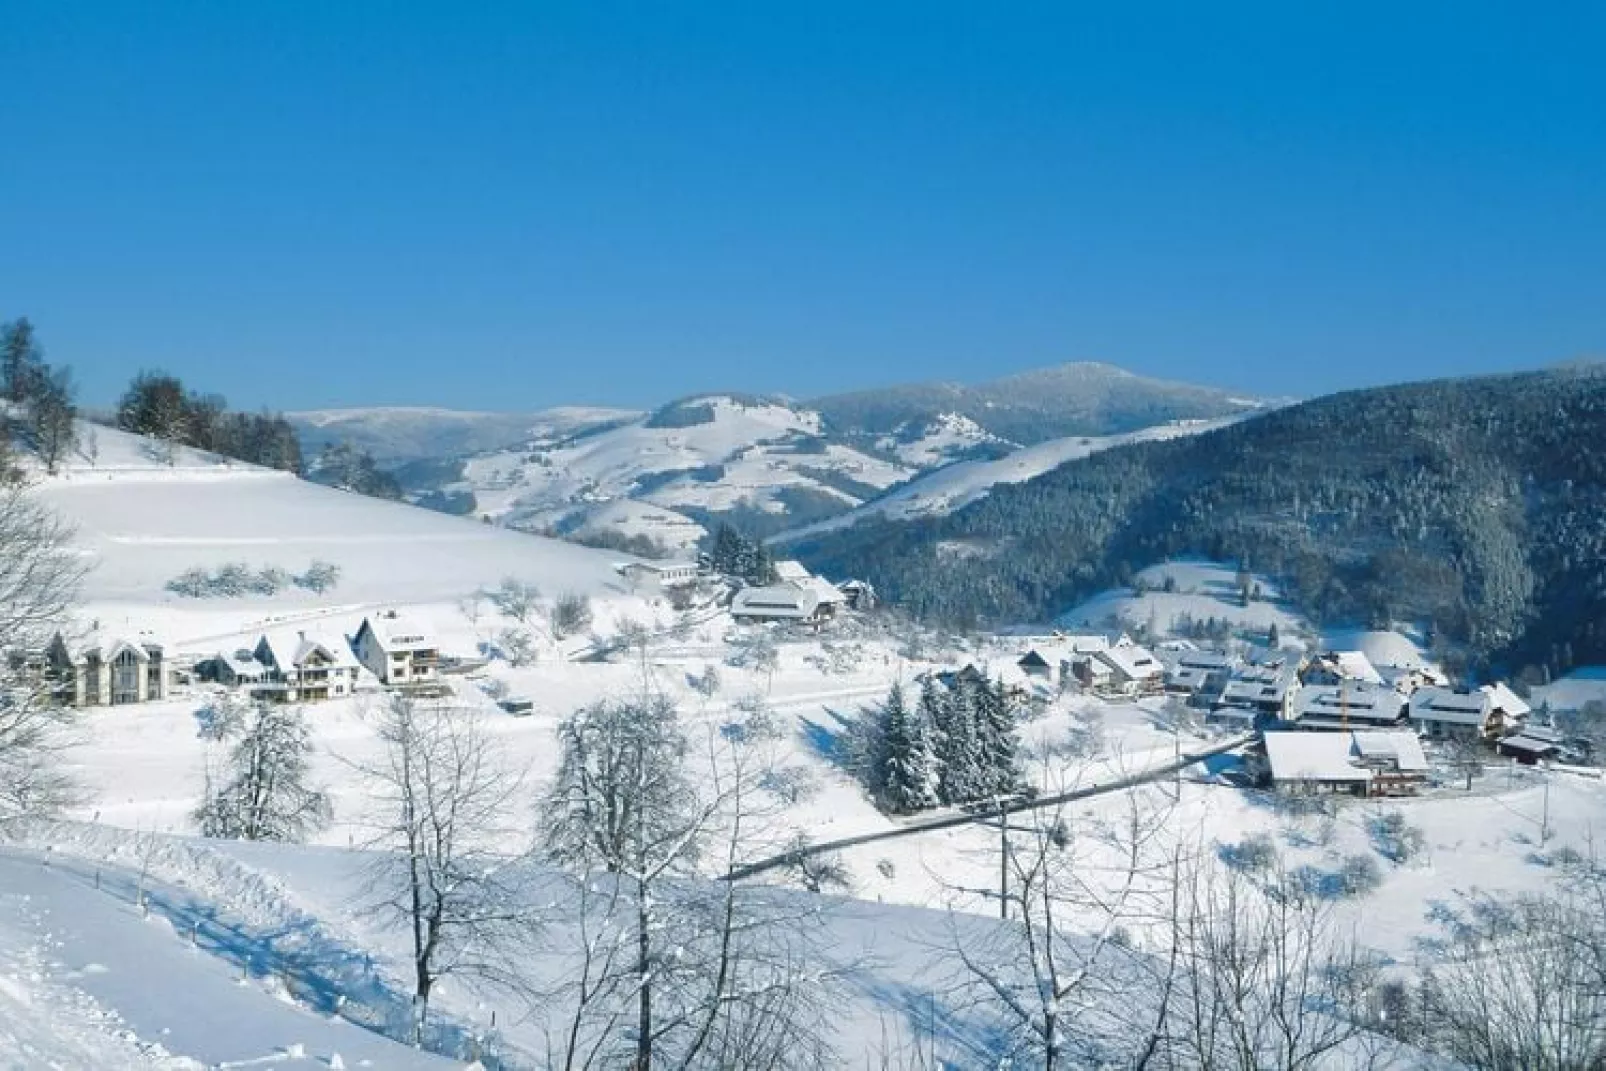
1476 504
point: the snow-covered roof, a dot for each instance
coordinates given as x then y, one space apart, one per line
791 570
1337 703
290 650
398 631
1502 698
1134 662
108 645
1296 756
661 568
824 591
1207 661
784 601
1262 684
1352 664
1449 706
1402 749
1534 741
243 664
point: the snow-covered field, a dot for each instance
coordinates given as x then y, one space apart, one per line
1167 595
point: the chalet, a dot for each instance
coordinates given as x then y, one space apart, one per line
1035 666
1510 706
1532 744
860 595
1348 705
1358 764
658 576
238 670
397 649
1335 666
1133 670
103 670
1267 690
779 602
304 669
1196 672
1444 714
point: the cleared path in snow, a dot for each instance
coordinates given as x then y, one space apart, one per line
964 818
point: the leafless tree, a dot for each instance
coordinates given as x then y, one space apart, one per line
1267 979
39 578
448 810
676 971
1062 971
1521 981
516 598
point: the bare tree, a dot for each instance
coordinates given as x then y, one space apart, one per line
449 808
690 974
38 580
1268 979
1521 981
265 793
516 598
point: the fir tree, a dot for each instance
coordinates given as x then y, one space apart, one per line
1000 746
908 781
960 761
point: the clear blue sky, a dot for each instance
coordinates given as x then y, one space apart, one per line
515 205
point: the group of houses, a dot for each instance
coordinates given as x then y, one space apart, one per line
390 649
1119 668
794 595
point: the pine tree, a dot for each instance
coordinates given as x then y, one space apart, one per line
960 760
1000 745
21 361
909 784
1273 640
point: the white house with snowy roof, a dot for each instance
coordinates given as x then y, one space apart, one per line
1330 667
398 648
101 669
1446 714
302 668
1348 705
658 576
1134 670
1357 763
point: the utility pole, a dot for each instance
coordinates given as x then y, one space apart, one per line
1003 860
1544 818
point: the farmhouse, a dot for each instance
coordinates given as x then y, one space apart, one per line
1532 744
105 670
1267 690
397 649
797 595
1359 764
1348 705
1444 714
658 576
1507 704
302 668
1133 669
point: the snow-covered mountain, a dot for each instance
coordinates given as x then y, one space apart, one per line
655 482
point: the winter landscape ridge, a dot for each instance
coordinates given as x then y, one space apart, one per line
129 941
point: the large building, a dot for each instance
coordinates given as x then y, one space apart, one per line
100 670
398 649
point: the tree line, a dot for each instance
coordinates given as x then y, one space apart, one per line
158 405
43 399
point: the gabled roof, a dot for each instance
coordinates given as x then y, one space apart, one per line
1402 749
1296 756
1134 662
1449 706
784 601
398 631
824 591
1503 699
1351 701
290 650
107 646
1262 684
1352 664
791 570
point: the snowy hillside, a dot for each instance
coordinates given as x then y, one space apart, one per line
954 486
141 521
396 434
707 455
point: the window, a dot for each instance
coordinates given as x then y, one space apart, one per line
125 678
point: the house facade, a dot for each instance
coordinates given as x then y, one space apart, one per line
1387 763
303 669
659 576
1445 714
398 649
105 671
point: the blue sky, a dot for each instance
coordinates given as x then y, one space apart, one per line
487 205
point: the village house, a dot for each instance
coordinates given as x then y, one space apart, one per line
397 649
860 595
1331 667
1054 659
1266 690
101 670
796 595
1510 706
1133 670
1197 673
658 576
1348 705
1357 764
1445 714
1532 744
303 669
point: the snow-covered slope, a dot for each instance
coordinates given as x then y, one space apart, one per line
1166 597
394 434
957 485
706 455
141 521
